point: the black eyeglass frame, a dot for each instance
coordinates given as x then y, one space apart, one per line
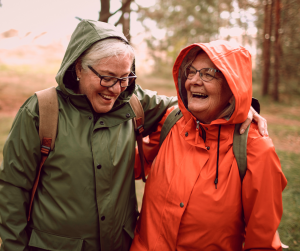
215 70
131 76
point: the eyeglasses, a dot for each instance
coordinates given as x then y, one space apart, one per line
206 74
109 81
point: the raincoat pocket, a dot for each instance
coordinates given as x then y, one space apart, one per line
52 242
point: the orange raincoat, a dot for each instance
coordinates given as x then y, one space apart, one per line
182 207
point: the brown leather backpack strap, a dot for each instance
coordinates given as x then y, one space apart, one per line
48 114
45 150
138 122
48 120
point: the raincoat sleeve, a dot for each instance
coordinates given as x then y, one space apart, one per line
150 147
262 193
155 106
21 155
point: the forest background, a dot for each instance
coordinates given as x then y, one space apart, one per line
31 49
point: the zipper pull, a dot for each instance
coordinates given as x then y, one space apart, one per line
197 131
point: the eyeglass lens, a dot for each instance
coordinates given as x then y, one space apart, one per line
110 81
206 74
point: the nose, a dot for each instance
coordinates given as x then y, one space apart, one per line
197 80
116 88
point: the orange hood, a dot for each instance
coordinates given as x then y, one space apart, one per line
234 61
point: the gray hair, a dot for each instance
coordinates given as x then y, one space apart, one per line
105 48
228 111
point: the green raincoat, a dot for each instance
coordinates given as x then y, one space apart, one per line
86 196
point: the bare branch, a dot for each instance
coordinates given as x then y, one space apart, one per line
107 15
120 20
104 14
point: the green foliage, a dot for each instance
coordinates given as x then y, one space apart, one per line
289 228
290 41
185 22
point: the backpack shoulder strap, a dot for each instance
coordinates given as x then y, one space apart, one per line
139 112
48 120
240 149
138 123
170 121
48 114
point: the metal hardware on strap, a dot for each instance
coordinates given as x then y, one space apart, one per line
140 129
45 150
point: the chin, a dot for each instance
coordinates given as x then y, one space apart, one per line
102 109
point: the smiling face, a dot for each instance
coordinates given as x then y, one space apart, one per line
207 100
103 98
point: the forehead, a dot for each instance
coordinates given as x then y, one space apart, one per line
203 61
119 63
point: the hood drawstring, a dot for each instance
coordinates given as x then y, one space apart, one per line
217 168
197 132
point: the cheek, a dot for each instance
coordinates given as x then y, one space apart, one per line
187 86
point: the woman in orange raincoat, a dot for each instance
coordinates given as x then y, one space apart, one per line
194 198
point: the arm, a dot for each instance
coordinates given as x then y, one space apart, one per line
154 106
262 193
21 155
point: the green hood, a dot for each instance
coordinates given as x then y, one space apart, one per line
85 35
85 199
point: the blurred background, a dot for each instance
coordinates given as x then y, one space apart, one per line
35 33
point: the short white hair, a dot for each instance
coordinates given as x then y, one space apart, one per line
105 48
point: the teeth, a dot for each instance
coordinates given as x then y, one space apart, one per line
106 96
199 94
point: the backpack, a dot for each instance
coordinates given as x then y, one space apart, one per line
239 140
48 121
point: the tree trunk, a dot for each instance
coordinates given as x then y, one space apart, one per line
126 19
277 51
266 46
104 13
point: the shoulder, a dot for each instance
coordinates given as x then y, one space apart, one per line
31 106
261 154
150 98
256 142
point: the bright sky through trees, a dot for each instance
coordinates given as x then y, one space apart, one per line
56 16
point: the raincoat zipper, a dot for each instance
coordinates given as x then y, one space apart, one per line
197 131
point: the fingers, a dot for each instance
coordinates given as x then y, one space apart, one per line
247 121
262 124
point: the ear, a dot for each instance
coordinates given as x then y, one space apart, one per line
78 68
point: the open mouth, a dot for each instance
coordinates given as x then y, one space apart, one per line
106 97
199 95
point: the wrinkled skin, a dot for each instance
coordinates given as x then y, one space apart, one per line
103 98
207 99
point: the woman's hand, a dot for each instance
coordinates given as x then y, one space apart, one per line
261 122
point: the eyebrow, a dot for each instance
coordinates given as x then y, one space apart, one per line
112 74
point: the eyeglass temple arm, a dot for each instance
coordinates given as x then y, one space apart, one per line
92 69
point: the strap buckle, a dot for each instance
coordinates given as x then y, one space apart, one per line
140 129
45 150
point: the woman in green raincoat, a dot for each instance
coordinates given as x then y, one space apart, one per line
85 200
